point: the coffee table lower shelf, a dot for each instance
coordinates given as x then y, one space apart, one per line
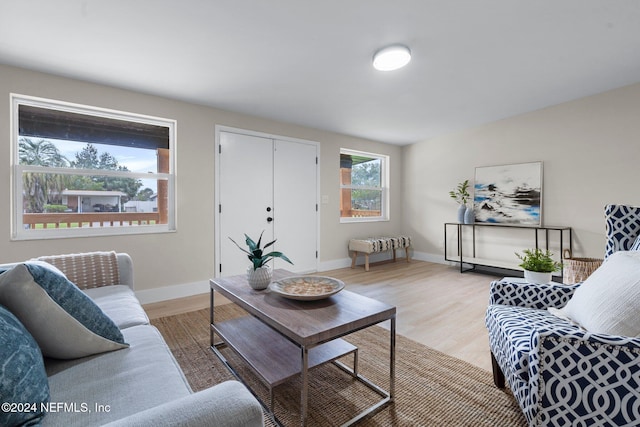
270 355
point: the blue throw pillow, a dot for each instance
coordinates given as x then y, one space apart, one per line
23 380
64 321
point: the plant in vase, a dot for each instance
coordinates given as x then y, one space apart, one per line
259 274
538 265
461 195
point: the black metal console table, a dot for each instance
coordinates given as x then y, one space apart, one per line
565 242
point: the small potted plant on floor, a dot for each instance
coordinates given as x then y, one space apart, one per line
461 195
259 273
538 265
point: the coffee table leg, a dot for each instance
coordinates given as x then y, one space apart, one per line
271 399
355 363
392 359
305 385
211 301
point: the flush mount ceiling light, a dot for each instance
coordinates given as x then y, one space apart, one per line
391 58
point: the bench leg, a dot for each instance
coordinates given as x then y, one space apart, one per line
394 254
354 256
406 252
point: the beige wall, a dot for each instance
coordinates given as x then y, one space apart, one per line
185 258
590 149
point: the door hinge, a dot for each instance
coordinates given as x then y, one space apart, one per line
316 254
316 160
220 268
219 208
220 149
316 207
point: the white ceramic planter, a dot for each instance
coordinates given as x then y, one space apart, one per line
537 278
260 278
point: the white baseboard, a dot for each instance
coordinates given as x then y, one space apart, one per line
147 296
424 256
346 262
334 264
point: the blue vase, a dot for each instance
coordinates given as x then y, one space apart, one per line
469 216
461 211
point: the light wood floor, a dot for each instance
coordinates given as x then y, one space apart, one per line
436 305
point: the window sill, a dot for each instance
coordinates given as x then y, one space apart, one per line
53 233
364 219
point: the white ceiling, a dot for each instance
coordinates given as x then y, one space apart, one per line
308 62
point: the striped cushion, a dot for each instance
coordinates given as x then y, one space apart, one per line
379 244
401 242
87 270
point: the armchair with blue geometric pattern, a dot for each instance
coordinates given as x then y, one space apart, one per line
561 374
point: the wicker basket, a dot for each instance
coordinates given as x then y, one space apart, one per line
576 270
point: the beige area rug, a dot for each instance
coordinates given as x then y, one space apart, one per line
432 388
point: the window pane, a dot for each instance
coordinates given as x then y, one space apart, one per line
366 174
40 189
50 193
366 203
82 155
58 123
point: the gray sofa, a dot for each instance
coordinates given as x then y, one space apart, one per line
141 385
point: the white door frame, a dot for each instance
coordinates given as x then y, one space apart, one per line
216 198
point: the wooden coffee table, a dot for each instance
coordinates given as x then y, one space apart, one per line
285 337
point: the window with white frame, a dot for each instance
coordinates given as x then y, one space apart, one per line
363 186
85 171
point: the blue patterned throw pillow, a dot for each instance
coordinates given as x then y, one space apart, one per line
62 319
23 380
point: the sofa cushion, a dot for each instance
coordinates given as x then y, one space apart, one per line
22 376
130 380
119 302
608 301
228 404
62 319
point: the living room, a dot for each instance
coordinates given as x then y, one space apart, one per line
586 140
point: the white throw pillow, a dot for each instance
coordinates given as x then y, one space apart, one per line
636 244
608 302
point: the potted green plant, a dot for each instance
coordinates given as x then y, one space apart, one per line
461 195
538 265
259 273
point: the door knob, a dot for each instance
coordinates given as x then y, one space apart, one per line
268 209
269 219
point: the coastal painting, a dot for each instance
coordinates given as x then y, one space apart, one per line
509 194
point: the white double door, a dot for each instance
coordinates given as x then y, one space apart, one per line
266 184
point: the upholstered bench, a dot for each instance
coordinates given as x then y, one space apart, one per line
378 244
